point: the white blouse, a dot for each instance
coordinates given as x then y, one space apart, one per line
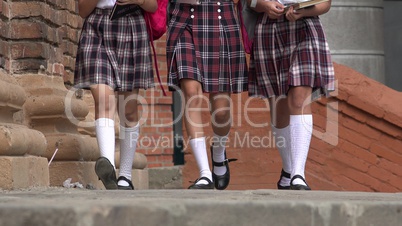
105 4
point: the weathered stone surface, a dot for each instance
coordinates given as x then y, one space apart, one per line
71 147
23 172
12 97
66 207
19 140
165 177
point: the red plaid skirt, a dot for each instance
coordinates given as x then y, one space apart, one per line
114 52
204 44
287 54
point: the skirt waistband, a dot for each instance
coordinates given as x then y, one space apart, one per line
109 10
103 11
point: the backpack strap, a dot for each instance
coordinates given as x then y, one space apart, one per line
151 40
243 30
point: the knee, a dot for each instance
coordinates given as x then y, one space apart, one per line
193 98
221 115
105 106
299 97
296 102
131 116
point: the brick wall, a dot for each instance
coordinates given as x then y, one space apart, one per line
38 34
42 37
356 144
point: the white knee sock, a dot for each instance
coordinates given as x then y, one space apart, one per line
219 143
128 146
282 142
301 129
200 154
105 135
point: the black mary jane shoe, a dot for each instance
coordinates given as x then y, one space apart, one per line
210 184
285 175
130 184
106 173
221 182
298 186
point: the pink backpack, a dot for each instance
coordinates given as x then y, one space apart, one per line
157 21
156 25
248 19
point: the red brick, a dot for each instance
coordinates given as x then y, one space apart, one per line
165 129
24 30
380 173
28 50
166 158
54 16
349 160
167 164
387 153
348 184
60 4
168 151
353 112
320 122
385 127
365 104
391 167
392 143
30 65
354 137
317 156
25 9
396 181
146 129
155 151
359 152
164 115
394 118
384 187
152 158
342 96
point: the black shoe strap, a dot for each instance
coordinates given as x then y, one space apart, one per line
201 178
126 180
298 177
224 163
285 174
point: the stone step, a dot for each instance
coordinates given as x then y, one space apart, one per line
175 207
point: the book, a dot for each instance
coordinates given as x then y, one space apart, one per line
300 4
121 10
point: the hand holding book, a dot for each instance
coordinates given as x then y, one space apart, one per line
300 4
124 7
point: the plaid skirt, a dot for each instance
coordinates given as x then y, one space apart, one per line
287 54
204 44
114 52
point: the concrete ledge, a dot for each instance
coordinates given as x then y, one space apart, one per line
165 177
193 207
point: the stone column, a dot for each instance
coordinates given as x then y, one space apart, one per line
356 36
19 146
53 110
